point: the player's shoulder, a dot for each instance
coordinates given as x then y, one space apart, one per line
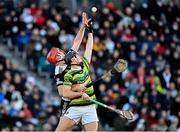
68 76
68 72
60 69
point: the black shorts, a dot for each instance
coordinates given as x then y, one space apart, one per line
63 107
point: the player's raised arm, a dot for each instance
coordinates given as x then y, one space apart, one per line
80 34
89 44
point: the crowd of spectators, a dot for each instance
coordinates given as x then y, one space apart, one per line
22 105
147 35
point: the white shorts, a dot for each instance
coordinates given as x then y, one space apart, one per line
85 114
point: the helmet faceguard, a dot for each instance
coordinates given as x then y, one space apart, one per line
71 53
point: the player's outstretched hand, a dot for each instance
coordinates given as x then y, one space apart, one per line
84 19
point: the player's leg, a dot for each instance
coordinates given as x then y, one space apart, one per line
70 118
65 124
90 119
93 126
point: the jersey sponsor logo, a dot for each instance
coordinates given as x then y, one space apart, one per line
66 79
79 82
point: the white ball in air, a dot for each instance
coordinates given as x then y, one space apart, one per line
94 9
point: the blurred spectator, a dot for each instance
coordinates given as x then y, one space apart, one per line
22 39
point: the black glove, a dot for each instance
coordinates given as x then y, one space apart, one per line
89 26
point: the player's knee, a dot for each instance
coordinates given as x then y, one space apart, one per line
91 126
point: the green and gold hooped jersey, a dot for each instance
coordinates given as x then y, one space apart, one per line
79 75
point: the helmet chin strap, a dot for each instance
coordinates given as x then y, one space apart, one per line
67 58
60 60
80 64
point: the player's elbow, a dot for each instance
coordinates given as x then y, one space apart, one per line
60 90
65 94
60 94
